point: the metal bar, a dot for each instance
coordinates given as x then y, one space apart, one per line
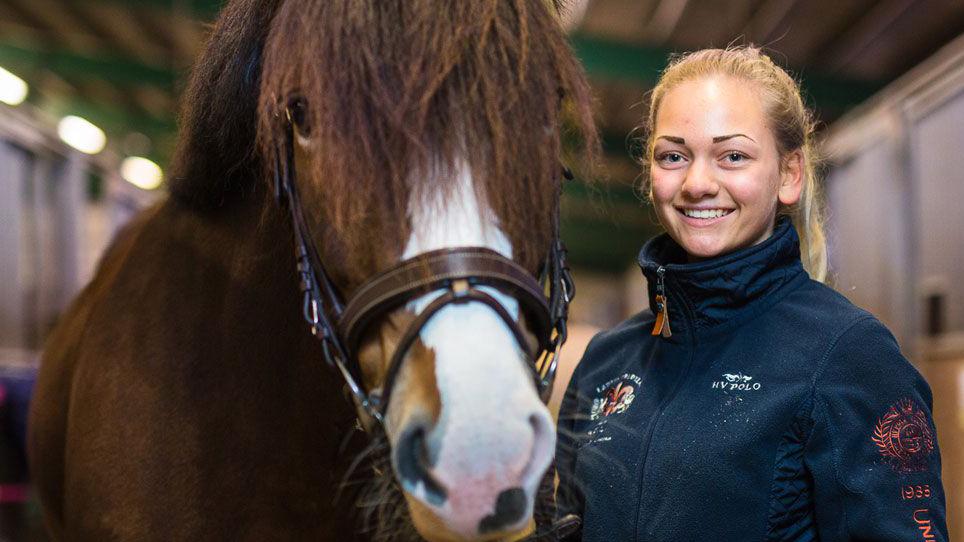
14 172
202 9
117 69
665 19
869 28
605 59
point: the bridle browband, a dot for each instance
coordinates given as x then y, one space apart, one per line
457 272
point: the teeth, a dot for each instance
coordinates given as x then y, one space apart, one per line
705 213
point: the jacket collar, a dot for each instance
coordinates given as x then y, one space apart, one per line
723 291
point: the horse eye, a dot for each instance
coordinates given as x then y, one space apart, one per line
297 112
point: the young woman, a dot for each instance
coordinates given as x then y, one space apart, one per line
752 402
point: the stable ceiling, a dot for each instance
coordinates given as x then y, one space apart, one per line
121 63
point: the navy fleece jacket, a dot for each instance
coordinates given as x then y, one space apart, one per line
776 410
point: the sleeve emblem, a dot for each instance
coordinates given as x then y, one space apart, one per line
904 438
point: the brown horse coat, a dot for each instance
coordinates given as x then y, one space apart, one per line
207 412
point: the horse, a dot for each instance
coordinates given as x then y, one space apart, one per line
182 395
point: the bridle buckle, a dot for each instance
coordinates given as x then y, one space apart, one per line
460 287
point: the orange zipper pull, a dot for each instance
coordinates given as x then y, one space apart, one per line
661 327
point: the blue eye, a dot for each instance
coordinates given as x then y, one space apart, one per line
671 157
734 157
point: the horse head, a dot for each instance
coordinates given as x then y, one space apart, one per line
416 126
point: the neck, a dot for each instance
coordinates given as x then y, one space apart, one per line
722 290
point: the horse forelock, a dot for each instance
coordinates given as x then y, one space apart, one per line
402 94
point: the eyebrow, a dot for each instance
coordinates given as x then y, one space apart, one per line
717 139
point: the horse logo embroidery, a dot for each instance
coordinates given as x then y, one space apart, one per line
738 378
615 401
904 438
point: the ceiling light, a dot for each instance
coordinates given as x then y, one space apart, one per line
141 172
81 134
13 90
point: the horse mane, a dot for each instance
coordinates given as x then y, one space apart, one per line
216 159
397 93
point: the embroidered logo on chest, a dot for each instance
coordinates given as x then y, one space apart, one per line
904 438
615 396
736 382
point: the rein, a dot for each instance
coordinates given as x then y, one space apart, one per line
459 272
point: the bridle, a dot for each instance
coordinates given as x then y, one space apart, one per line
457 272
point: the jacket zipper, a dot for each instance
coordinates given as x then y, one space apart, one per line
661 327
661 297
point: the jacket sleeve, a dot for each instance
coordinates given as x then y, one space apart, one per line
873 452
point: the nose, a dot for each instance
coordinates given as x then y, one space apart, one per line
510 507
491 487
700 180
414 460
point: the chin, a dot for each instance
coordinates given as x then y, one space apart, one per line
700 255
699 248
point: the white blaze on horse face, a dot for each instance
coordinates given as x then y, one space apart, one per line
493 434
457 222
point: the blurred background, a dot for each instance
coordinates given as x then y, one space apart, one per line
88 94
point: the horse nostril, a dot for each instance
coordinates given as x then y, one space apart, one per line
412 466
510 506
543 448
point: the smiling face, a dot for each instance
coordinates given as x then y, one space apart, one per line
717 175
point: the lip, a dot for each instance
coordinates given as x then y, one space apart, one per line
702 222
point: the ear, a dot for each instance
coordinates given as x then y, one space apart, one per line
791 178
571 12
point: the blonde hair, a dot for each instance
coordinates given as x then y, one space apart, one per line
792 124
